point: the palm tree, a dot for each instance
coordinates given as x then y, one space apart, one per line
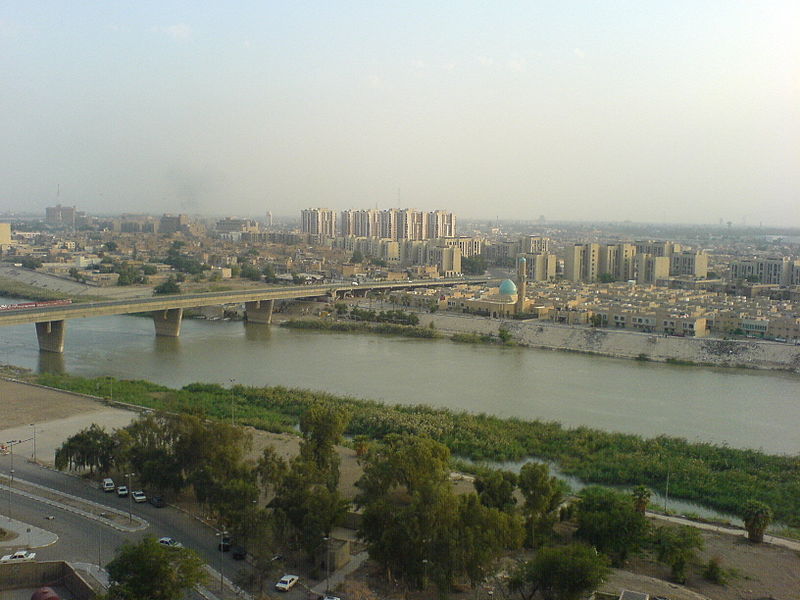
757 516
641 497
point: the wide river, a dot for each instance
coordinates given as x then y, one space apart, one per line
748 409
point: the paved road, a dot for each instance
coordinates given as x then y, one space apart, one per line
85 540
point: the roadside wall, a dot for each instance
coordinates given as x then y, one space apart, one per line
39 574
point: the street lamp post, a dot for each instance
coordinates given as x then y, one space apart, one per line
221 535
130 499
327 562
34 441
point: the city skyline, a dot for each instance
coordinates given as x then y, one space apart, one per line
644 112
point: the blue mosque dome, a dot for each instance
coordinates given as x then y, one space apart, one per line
508 288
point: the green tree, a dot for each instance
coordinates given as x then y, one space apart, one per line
675 547
309 505
170 286
269 273
149 269
495 489
608 520
322 426
641 498
91 448
560 573
482 535
30 262
357 257
110 246
543 494
147 569
250 272
473 265
505 335
756 516
606 278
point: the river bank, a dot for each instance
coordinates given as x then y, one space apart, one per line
710 352
719 477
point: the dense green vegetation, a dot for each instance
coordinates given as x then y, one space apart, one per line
362 327
719 477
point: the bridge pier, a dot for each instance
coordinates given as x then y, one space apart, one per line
168 322
259 311
51 336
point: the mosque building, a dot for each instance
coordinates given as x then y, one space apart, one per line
508 300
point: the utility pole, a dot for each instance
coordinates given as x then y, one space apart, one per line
130 497
34 441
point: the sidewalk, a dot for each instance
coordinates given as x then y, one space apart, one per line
27 536
339 576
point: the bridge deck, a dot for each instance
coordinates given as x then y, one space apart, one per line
136 305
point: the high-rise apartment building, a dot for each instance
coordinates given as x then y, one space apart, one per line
582 263
60 215
318 221
173 223
441 224
397 224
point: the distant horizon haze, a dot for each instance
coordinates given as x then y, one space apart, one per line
627 110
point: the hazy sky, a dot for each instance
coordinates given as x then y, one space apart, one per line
670 110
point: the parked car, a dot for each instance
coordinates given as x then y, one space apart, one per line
122 491
171 542
238 553
286 583
157 501
19 556
225 543
328 597
138 496
108 485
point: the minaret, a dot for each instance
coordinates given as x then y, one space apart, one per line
522 284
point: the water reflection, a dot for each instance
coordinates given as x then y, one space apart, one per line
256 332
51 362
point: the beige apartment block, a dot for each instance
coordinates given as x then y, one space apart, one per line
650 268
5 234
469 246
656 248
541 267
771 271
582 262
685 262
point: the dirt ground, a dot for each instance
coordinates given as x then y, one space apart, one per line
24 404
758 570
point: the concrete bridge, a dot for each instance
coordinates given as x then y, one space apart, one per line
167 311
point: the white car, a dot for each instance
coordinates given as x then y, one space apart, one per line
286 583
327 597
138 496
122 491
171 542
108 485
19 556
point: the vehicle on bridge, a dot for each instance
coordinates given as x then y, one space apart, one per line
43 304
